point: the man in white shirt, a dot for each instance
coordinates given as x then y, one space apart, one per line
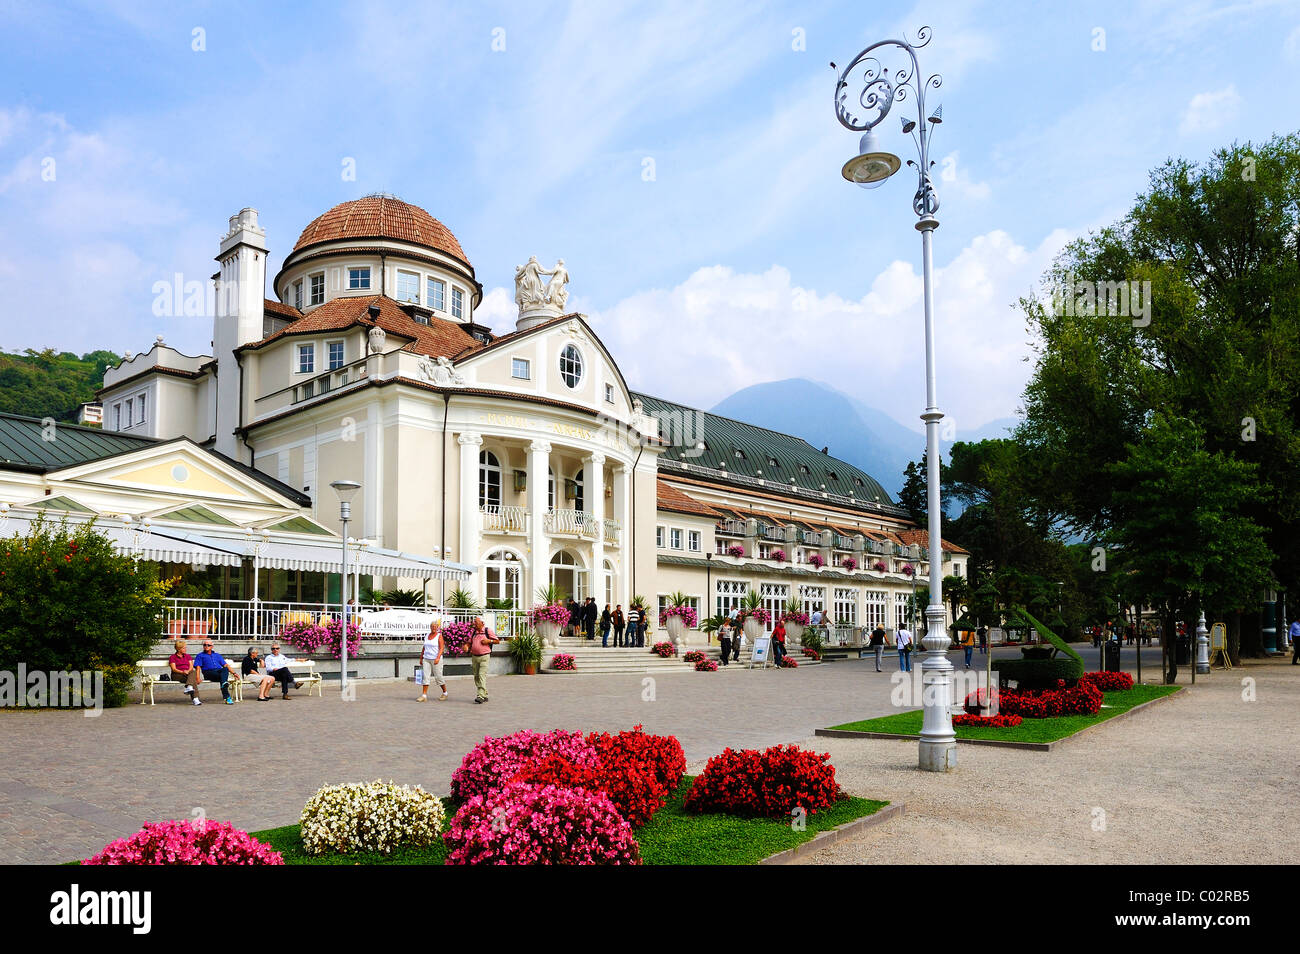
816 618
277 667
903 640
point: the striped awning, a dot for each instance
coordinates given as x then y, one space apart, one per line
326 557
162 545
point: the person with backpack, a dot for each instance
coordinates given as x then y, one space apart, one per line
903 640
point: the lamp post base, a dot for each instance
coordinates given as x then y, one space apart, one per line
938 756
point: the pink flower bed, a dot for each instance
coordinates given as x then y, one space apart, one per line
328 638
705 665
495 761
524 824
187 842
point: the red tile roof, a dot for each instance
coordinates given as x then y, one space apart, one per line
381 216
922 538
280 309
669 497
438 338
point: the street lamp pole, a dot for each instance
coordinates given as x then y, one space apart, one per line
345 490
880 88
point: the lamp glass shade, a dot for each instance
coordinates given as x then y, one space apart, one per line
345 489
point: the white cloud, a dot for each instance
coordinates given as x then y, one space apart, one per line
722 330
1208 111
956 178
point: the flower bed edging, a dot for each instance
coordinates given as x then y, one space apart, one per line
827 838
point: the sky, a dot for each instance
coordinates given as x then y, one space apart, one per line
683 158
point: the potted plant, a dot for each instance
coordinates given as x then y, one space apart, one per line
849 564
735 550
550 614
778 556
909 570
817 561
795 619
526 648
879 566
753 617
678 616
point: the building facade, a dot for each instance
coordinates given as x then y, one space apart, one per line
523 453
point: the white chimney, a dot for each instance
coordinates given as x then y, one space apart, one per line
241 293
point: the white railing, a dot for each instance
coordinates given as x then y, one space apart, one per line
731 527
243 620
504 519
612 529
577 522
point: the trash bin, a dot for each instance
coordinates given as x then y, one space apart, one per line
1110 656
1184 655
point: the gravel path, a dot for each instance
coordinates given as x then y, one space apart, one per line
1206 777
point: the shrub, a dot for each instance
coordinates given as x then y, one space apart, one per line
665 649
705 665
1083 699
563 662
1108 681
1000 721
1037 673
662 753
979 699
370 816
187 842
525 824
456 637
771 783
70 603
693 656
326 637
494 761
558 771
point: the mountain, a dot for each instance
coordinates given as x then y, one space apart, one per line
46 384
854 431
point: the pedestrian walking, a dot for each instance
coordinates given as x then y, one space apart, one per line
967 638
431 661
984 640
903 640
878 643
778 643
480 654
724 640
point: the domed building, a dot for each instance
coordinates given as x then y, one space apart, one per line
518 451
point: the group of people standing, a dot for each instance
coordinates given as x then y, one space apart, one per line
629 629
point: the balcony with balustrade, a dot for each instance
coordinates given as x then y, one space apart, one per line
507 520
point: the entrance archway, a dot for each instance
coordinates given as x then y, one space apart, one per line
568 573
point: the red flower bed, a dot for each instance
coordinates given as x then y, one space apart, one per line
705 665
661 753
987 722
1083 699
1108 681
772 783
693 656
664 649
787 662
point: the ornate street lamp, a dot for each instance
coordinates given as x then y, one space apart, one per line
880 88
345 490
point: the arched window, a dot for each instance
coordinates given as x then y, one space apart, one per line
609 582
571 365
489 480
578 492
503 576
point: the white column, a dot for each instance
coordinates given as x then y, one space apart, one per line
594 473
539 459
623 514
469 515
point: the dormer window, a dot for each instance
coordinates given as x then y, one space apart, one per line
316 290
359 277
435 294
306 358
408 287
457 303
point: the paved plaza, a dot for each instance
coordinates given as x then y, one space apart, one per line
1202 777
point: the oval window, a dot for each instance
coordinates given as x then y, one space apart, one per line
571 365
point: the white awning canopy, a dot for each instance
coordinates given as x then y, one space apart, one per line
327 557
165 545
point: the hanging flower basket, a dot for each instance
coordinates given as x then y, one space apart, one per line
735 550
879 566
909 570
849 564
777 556
817 560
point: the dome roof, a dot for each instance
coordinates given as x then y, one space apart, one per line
381 217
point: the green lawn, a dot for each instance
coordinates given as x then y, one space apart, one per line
1030 730
672 837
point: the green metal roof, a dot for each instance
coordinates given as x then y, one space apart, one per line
756 453
24 444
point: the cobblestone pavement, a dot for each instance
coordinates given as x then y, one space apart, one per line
1207 777
71 784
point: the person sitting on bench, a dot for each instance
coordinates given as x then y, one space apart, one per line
251 669
277 667
182 669
215 669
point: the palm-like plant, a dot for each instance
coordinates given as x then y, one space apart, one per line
551 594
678 598
461 598
751 600
398 597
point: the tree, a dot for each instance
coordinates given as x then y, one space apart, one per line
1179 522
1209 335
70 603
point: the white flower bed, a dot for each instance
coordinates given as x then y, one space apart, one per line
370 816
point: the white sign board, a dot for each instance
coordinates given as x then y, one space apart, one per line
394 623
761 646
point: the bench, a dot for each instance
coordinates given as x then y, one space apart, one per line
158 673
303 670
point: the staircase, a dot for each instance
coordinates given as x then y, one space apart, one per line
590 656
